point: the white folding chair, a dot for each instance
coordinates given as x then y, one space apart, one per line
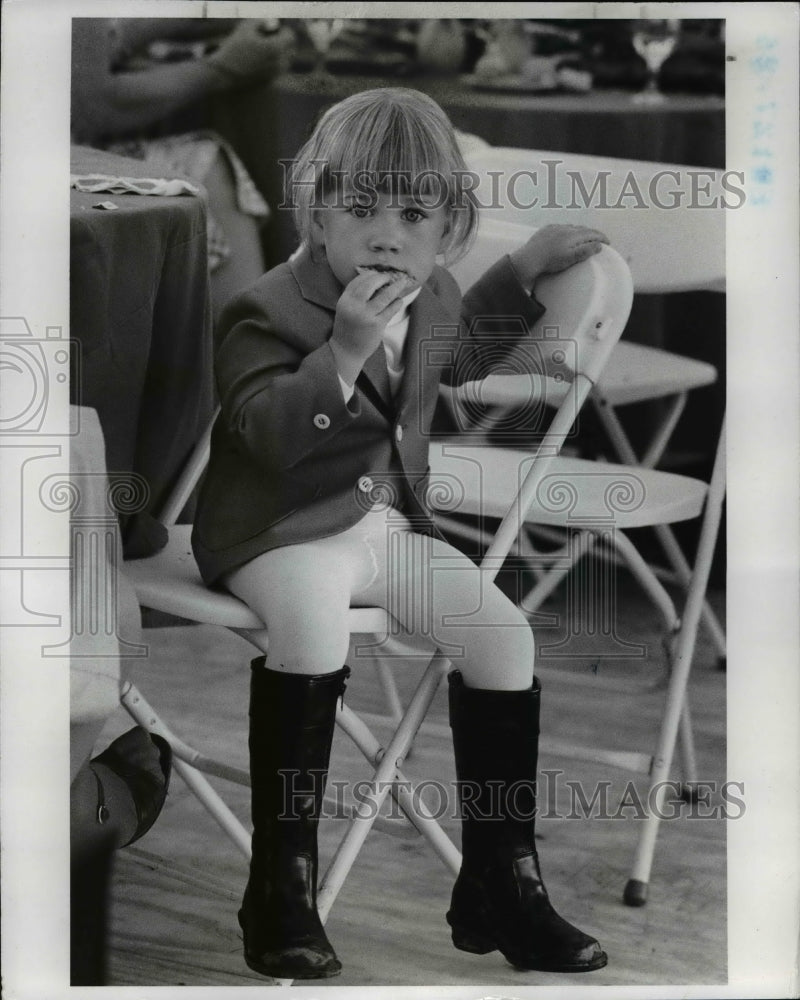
669 248
597 502
591 302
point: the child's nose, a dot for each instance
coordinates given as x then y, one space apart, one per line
386 236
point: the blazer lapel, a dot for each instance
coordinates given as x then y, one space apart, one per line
317 283
422 372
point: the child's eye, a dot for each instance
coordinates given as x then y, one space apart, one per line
414 214
360 211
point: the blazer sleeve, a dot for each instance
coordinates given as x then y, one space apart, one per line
496 313
278 385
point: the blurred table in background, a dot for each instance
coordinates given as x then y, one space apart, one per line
139 311
270 123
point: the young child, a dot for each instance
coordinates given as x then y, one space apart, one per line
327 400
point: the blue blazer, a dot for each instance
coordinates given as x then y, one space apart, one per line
290 460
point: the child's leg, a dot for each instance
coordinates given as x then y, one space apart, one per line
499 899
435 591
302 593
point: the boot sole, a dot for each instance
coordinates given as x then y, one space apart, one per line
478 943
264 970
287 973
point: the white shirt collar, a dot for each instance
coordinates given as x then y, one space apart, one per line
402 316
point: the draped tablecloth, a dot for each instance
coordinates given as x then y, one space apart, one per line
139 312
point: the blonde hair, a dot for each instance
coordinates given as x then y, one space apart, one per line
386 137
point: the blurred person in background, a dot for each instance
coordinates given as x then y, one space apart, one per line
129 75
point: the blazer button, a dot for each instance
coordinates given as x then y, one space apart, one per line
365 484
398 434
322 420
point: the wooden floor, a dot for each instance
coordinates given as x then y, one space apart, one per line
176 892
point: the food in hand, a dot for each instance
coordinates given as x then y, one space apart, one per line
401 278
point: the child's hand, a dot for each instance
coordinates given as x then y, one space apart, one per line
362 312
555 248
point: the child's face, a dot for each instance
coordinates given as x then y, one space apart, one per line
390 231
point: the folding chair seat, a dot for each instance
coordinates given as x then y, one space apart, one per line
591 302
668 249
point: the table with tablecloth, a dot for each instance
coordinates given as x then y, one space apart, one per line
140 319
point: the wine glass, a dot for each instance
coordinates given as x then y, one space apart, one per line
654 41
322 31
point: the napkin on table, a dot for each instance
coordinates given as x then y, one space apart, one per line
94 183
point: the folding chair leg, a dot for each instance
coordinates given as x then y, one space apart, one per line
389 689
664 533
683 571
381 784
580 545
530 554
402 790
636 889
688 756
139 709
647 579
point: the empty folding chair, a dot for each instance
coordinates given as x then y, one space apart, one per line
598 501
667 221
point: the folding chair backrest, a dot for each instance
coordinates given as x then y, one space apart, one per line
586 309
583 304
667 220
189 478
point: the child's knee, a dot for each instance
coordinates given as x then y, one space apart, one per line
518 655
505 657
311 656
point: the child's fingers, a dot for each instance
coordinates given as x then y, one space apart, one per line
392 290
573 255
391 310
586 248
572 233
364 286
595 234
585 251
585 229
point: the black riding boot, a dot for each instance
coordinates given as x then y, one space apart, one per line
499 900
291 729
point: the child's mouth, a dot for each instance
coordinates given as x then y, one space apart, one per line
394 272
396 275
